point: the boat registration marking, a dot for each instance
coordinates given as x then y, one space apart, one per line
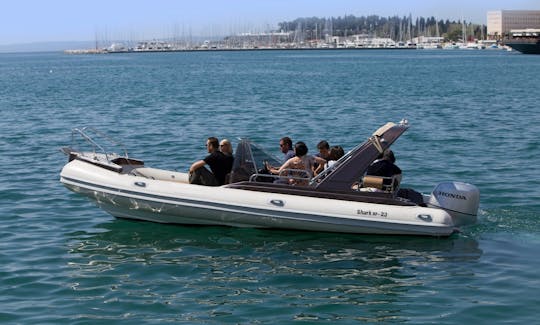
363 212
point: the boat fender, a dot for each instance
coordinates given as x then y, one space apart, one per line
456 198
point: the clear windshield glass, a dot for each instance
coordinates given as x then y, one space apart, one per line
249 159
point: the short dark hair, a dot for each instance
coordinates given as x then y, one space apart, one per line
389 155
323 145
214 142
300 149
336 152
288 141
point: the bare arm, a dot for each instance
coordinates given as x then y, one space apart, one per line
196 165
284 166
321 162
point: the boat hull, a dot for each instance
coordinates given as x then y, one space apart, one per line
135 197
525 47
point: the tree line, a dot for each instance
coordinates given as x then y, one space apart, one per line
396 28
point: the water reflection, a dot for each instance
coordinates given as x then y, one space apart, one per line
198 273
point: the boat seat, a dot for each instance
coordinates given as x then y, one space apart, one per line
379 184
160 174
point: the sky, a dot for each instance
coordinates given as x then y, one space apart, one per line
31 21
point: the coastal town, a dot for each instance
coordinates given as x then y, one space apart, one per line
350 32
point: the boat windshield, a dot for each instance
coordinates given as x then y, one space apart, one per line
249 159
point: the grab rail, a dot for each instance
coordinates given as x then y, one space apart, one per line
302 176
84 133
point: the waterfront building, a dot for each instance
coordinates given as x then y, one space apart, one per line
501 22
428 42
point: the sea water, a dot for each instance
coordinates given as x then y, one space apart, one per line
474 117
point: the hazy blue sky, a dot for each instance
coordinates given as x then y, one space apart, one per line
25 21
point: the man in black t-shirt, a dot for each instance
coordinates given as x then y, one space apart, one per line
385 167
219 166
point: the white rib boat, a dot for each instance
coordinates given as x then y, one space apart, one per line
341 199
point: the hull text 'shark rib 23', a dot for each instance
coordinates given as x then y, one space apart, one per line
338 200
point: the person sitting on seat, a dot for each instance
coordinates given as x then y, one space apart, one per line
225 146
285 145
302 165
324 151
219 164
385 167
335 153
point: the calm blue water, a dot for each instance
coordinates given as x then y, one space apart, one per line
474 117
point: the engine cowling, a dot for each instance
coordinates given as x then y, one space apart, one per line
460 200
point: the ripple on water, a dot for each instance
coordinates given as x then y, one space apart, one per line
65 261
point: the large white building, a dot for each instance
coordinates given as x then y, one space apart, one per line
501 22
